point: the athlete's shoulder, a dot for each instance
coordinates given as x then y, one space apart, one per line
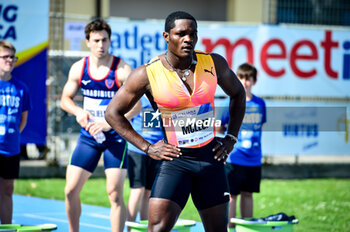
202 53
78 65
118 60
121 63
154 60
217 59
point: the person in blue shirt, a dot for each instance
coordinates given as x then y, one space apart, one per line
142 169
14 106
243 166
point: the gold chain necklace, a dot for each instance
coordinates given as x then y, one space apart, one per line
186 72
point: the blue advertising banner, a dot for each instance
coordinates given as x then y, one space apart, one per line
25 24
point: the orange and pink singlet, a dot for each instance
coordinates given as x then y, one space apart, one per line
188 118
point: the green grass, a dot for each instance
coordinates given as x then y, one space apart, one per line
319 204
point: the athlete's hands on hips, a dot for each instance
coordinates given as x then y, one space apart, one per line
163 151
223 148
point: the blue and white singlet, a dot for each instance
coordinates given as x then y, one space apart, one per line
98 93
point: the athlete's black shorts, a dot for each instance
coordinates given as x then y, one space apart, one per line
243 178
142 170
9 166
196 172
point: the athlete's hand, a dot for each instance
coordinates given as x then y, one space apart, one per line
223 148
83 117
95 127
163 151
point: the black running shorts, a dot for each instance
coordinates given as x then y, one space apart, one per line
243 178
9 166
197 173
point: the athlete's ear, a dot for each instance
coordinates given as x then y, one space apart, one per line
166 36
87 42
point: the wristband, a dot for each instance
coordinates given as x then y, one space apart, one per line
146 151
232 137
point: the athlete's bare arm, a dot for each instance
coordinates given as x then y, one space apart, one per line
70 89
123 71
228 81
136 85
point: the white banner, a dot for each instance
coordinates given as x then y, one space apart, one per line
305 62
311 128
290 61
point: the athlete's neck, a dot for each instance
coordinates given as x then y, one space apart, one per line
100 61
180 63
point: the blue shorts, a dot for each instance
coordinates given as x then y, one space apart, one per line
197 173
88 152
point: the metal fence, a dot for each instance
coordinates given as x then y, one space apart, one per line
315 12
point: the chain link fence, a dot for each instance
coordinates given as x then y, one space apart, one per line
314 12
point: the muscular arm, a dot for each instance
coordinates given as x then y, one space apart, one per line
70 89
134 111
123 71
127 96
234 89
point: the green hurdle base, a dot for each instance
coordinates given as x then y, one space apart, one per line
268 226
180 226
27 228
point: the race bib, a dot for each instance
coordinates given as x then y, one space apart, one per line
97 107
194 126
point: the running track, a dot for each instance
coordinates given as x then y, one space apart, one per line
34 211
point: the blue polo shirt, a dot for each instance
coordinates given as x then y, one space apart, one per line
14 100
247 150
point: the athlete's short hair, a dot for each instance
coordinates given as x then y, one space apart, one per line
97 25
248 69
170 20
8 45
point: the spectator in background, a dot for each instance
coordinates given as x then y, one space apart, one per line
142 169
99 76
14 106
243 166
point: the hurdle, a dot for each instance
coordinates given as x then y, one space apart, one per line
263 226
180 226
27 228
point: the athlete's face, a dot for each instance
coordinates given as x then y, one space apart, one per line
182 38
7 60
98 43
